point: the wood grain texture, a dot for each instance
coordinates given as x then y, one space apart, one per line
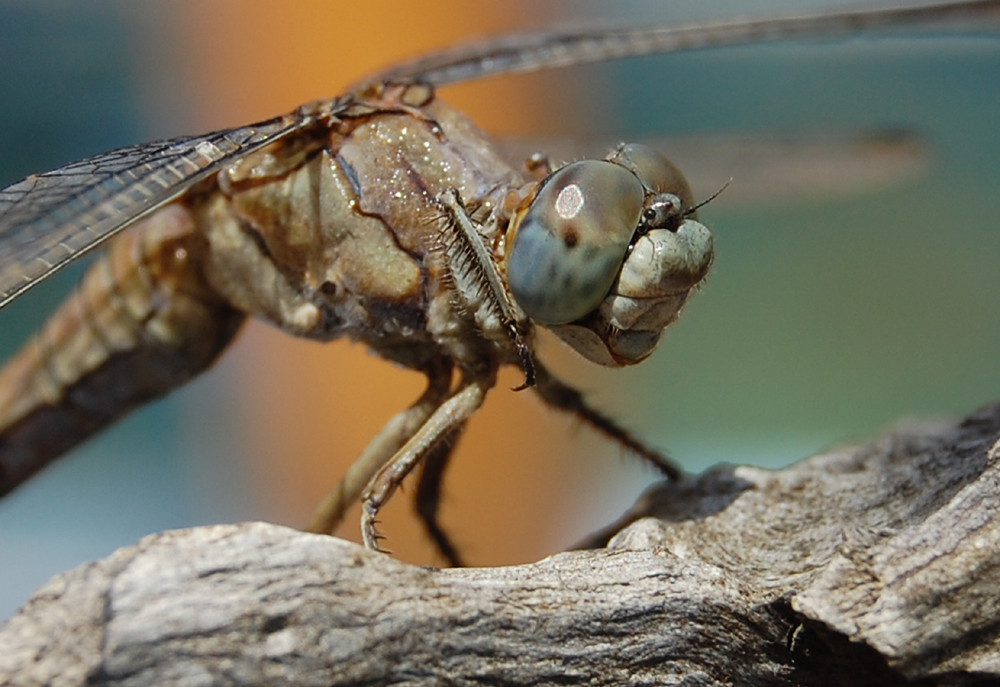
873 565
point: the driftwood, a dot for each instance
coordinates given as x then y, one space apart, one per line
870 566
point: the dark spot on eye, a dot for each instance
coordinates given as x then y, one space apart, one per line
570 236
328 288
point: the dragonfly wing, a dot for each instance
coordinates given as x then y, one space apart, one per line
546 50
48 220
765 167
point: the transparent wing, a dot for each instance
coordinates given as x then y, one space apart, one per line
47 220
536 51
766 167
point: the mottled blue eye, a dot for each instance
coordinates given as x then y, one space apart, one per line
570 244
657 173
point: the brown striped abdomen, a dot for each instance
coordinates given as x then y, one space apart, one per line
142 322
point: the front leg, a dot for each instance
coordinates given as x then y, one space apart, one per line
477 285
442 425
560 395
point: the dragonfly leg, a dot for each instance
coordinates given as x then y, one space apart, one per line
429 497
560 395
381 449
474 271
439 427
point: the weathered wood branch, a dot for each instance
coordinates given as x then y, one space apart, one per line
870 566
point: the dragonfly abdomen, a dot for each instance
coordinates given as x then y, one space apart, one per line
142 322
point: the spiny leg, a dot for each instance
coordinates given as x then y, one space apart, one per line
448 417
472 270
564 397
381 449
428 497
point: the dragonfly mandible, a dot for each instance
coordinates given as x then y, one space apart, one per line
467 234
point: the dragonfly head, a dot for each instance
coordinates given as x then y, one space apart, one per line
606 253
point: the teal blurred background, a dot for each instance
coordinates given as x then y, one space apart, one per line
825 320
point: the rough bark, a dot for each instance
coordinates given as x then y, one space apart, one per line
868 566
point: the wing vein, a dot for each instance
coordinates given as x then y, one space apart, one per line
47 220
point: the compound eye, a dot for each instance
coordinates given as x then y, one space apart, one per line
659 174
571 242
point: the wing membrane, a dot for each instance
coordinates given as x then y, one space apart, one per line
547 50
47 220
767 167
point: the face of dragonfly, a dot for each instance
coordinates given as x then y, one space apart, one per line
606 253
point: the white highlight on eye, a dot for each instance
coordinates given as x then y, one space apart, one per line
569 202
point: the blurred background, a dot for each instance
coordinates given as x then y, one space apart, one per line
835 309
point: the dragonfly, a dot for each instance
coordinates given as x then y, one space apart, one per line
449 276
